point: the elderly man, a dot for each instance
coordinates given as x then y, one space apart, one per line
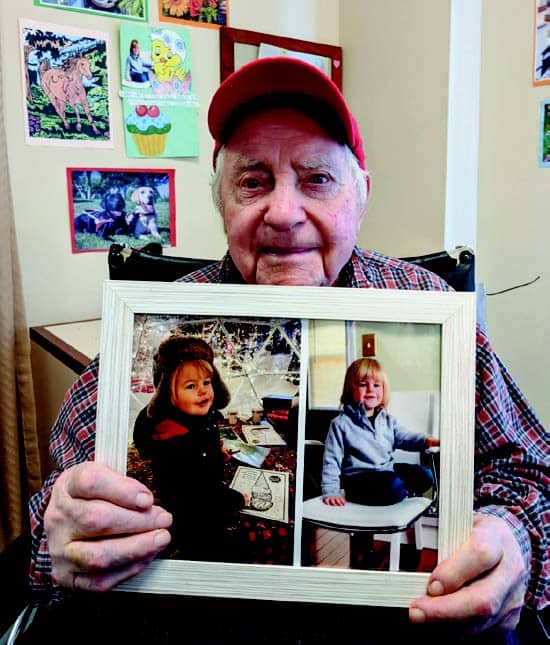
291 185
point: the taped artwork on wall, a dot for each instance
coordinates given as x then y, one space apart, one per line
541 44
130 206
65 85
544 154
158 104
129 9
199 13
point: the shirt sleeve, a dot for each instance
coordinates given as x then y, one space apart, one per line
511 470
406 439
72 441
332 460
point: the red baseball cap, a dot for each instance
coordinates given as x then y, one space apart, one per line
282 80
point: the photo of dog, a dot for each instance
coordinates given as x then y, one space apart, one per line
128 206
109 221
144 220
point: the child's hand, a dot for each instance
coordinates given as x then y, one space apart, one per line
334 500
432 442
227 454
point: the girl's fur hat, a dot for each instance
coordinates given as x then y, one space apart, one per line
171 353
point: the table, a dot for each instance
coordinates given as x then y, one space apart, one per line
73 343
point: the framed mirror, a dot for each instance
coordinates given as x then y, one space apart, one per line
239 46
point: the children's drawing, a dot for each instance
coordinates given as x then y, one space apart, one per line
541 45
130 9
267 491
159 106
544 159
65 86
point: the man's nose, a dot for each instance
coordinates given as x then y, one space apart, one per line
285 208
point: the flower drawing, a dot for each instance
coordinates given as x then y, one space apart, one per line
212 12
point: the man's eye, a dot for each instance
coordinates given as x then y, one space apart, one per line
318 178
250 183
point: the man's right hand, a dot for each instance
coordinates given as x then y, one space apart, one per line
102 527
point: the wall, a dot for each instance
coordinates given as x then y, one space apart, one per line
396 59
513 213
59 286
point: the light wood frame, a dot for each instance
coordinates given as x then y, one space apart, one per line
455 312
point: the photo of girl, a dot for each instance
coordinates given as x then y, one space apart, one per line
178 432
360 445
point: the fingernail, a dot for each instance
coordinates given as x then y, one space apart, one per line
162 538
417 615
163 520
435 588
144 500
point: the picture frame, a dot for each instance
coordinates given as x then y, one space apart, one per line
239 46
144 197
453 312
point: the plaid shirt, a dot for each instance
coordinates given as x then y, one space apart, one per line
511 479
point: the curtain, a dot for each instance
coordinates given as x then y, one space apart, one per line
20 474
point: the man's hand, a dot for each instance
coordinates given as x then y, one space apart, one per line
102 527
481 586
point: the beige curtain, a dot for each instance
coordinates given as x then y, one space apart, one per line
19 458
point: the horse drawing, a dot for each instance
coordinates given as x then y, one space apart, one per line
63 85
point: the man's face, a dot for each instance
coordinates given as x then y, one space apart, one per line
289 200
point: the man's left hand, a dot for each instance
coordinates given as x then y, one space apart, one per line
481 586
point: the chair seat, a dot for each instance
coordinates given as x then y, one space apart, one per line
357 517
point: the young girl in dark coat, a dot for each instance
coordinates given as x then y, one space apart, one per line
178 432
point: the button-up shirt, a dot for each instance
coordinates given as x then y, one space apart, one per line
511 448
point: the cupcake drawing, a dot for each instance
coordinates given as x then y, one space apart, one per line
149 128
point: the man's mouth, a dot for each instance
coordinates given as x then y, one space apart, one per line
287 250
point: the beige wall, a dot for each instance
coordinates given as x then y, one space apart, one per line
396 60
395 76
514 197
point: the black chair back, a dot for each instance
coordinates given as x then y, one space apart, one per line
148 263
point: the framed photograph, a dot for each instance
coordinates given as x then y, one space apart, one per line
276 365
128 9
240 46
198 13
124 205
544 146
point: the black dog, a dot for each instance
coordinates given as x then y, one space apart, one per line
109 221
